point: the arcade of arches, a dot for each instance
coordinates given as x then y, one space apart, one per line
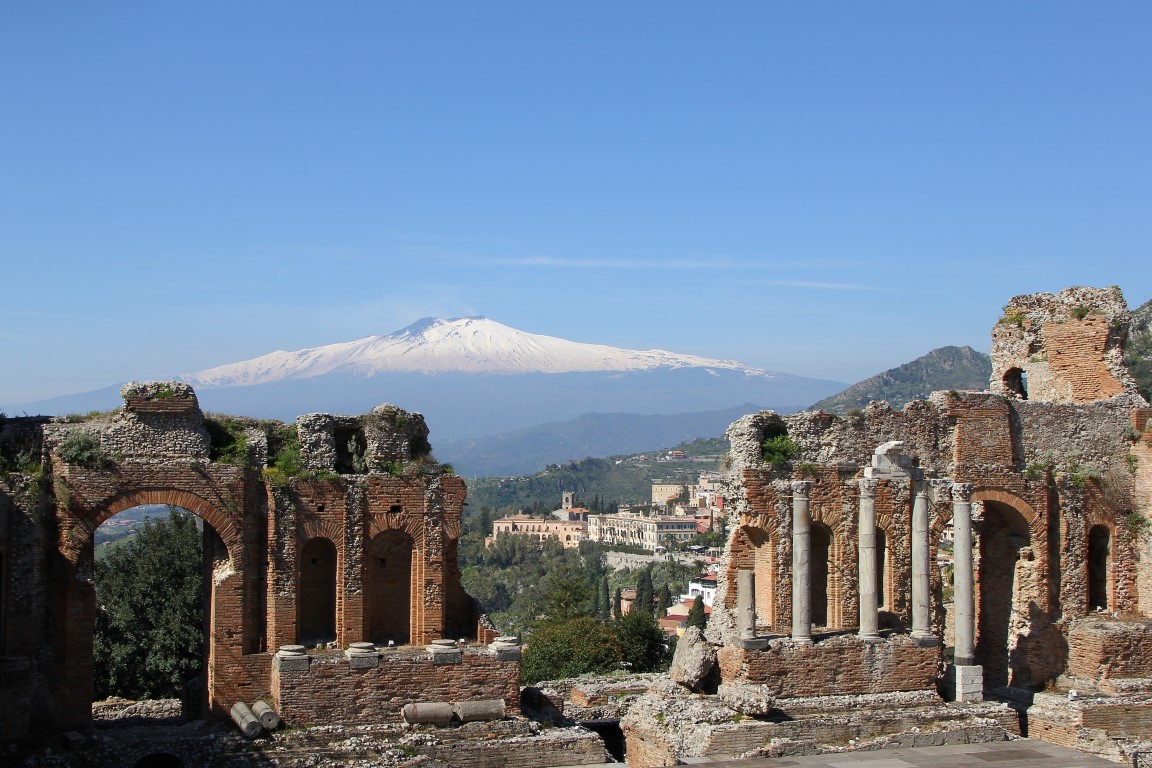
322 558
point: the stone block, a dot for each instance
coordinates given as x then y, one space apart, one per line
443 655
694 659
967 683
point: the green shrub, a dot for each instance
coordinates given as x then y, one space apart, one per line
229 444
778 450
82 449
1079 313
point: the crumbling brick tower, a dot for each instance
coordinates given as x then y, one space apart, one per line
832 582
334 531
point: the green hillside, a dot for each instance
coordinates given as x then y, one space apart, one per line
940 369
1138 351
598 483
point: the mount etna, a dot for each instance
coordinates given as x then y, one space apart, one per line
473 377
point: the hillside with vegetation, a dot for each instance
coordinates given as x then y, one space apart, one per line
599 484
941 369
1138 350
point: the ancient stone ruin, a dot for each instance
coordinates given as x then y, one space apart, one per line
831 617
974 566
337 533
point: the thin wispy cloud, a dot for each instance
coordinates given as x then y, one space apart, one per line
703 264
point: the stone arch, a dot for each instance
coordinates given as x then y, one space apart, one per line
74 676
1015 382
1008 594
752 549
388 582
316 602
80 535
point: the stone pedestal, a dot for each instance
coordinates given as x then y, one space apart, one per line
967 683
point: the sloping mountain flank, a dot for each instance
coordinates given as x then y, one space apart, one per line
943 368
459 345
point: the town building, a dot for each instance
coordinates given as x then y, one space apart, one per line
569 532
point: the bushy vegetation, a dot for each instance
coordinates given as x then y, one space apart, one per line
83 450
1138 350
148 640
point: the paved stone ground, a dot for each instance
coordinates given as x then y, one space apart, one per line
1022 753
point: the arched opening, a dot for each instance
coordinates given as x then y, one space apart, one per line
152 567
389 584
316 602
882 569
752 551
1016 381
159 760
1003 535
1099 567
821 549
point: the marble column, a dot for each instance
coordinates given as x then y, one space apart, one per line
801 568
866 533
920 563
746 604
969 677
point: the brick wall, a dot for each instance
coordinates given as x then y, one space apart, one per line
331 691
841 665
1110 649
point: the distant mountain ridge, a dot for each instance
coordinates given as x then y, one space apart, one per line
529 450
941 369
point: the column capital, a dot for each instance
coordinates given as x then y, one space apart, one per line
940 489
921 489
868 487
962 492
801 487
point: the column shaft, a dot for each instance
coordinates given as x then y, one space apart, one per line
920 563
801 568
869 599
963 579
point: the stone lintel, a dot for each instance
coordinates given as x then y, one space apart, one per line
750 643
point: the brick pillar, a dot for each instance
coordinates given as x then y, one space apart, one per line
869 600
801 567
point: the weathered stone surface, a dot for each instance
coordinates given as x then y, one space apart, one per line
694 659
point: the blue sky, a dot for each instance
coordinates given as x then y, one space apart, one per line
824 188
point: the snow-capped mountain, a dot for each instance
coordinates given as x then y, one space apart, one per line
459 345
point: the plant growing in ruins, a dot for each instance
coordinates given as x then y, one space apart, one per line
1079 474
1079 313
778 450
855 417
393 468
164 392
1140 526
1132 460
229 443
82 449
1012 317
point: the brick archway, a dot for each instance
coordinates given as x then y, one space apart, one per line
82 533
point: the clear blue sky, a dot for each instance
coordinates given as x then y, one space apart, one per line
824 188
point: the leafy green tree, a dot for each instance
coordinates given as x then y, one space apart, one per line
696 616
569 648
642 642
663 599
148 640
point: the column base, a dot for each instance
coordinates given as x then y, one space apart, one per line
925 639
966 683
870 638
751 643
802 640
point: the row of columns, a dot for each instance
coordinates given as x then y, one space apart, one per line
968 679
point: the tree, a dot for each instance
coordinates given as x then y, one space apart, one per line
605 599
642 642
617 602
696 616
645 595
569 648
663 599
148 640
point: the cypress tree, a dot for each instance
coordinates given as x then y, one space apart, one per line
696 616
645 596
616 603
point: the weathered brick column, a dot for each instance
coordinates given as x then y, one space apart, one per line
801 557
866 537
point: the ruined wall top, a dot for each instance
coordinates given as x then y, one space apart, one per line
1063 348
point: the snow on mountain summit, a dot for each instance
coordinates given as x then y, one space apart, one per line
459 345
